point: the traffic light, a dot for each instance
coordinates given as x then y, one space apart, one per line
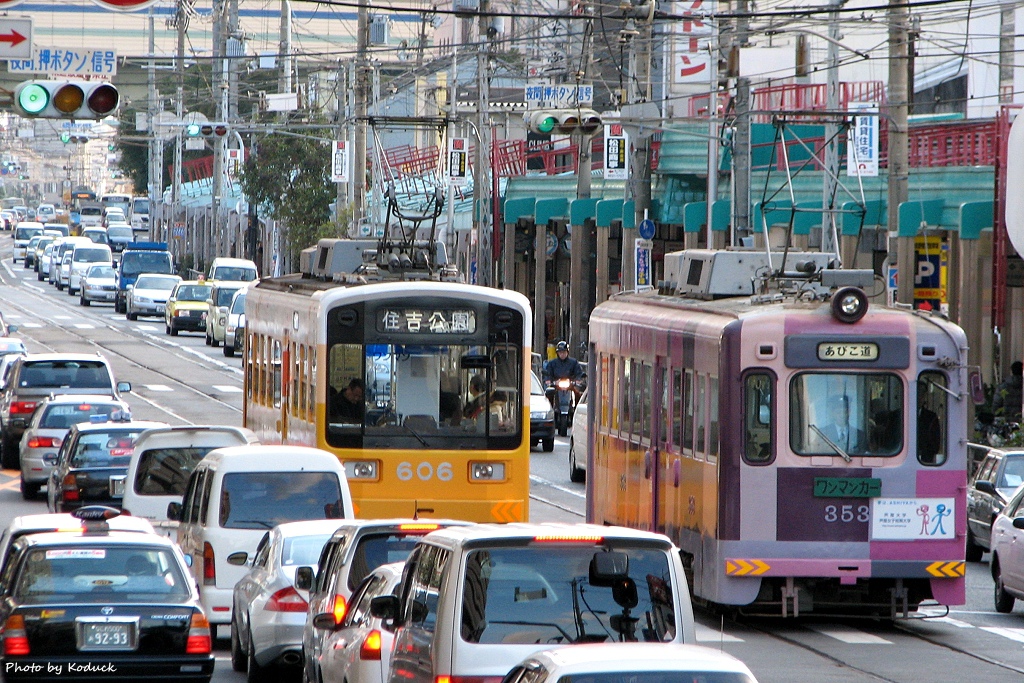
215 131
75 138
564 121
66 99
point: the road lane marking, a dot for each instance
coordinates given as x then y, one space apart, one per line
227 389
27 325
1011 633
11 485
706 634
158 387
84 326
557 487
849 635
147 328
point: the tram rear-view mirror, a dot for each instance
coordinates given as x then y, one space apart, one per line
608 567
977 388
475 362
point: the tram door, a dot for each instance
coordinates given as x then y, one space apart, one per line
651 401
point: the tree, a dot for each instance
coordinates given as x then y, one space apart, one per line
288 175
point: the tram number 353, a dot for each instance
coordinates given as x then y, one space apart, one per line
424 471
847 513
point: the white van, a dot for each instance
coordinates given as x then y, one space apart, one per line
475 601
235 495
85 256
235 269
163 460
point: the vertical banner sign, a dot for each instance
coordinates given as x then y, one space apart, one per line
930 278
340 162
862 159
234 162
643 265
616 152
692 60
458 161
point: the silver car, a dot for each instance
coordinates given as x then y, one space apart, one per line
63 274
50 423
99 284
45 261
234 329
148 296
269 612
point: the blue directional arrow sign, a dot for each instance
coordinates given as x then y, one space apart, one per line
646 229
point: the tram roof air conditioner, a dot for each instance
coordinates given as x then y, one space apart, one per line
710 274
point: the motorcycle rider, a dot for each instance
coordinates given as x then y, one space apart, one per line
562 366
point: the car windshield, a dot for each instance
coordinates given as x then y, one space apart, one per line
193 293
119 232
553 593
91 211
100 272
298 551
156 283
238 305
91 255
105 448
235 274
66 415
165 471
262 500
224 296
92 573
80 374
375 550
136 262
97 236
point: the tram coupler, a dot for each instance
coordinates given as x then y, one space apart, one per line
898 603
789 592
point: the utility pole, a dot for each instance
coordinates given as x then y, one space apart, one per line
898 18
829 236
181 19
361 96
640 181
213 245
155 189
482 215
581 282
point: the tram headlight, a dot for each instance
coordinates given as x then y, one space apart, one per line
361 469
487 471
849 305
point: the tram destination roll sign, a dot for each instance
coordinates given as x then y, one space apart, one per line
427 321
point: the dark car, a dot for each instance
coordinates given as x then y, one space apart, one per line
101 604
92 464
36 376
995 480
542 417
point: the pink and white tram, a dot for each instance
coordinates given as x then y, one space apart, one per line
806 453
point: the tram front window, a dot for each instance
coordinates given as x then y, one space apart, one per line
407 396
846 414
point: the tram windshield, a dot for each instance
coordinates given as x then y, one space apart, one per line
423 396
846 414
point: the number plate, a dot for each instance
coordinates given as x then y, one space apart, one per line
108 634
847 487
117 486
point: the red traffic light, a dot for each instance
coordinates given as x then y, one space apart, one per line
103 100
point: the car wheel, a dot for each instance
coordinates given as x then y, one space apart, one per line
167 328
72 292
11 459
548 445
1003 600
577 474
60 287
29 491
39 276
229 351
131 316
238 658
974 551
213 342
82 301
174 331
209 342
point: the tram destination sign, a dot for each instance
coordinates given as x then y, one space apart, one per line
847 487
849 351
427 321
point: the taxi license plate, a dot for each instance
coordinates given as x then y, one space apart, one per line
108 634
116 485
160 308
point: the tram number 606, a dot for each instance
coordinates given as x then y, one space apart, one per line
424 471
847 513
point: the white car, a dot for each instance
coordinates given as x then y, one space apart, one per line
234 330
45 262
1007 547
268 611
614 662
99 284
82 258
63 274
358 645
579 440
149 294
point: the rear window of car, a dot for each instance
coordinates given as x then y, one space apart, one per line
165 471
262 500
681 674
550 593
91 211
298 551
117 231
224 296
104 449
375 550
64 416
82 374
156 283
26 233
91 255
100 574
97 272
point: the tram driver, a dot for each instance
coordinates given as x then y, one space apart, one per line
347 404
839 430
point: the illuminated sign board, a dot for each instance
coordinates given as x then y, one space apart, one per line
426 321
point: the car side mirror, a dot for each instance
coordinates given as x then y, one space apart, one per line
1018 522
124 387
325 621
174 512
130 287
12 328
985 486
238 559
384 606
209 301
304 578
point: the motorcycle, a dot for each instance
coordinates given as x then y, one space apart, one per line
564 393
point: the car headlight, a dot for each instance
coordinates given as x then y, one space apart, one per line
361 469
542 414
487 471
143 299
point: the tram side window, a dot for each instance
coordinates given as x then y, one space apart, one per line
688 410
277 373
932 418
663 421
699 412
713 422
646 392
624 389
608 382
757 419
677 408
345 384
